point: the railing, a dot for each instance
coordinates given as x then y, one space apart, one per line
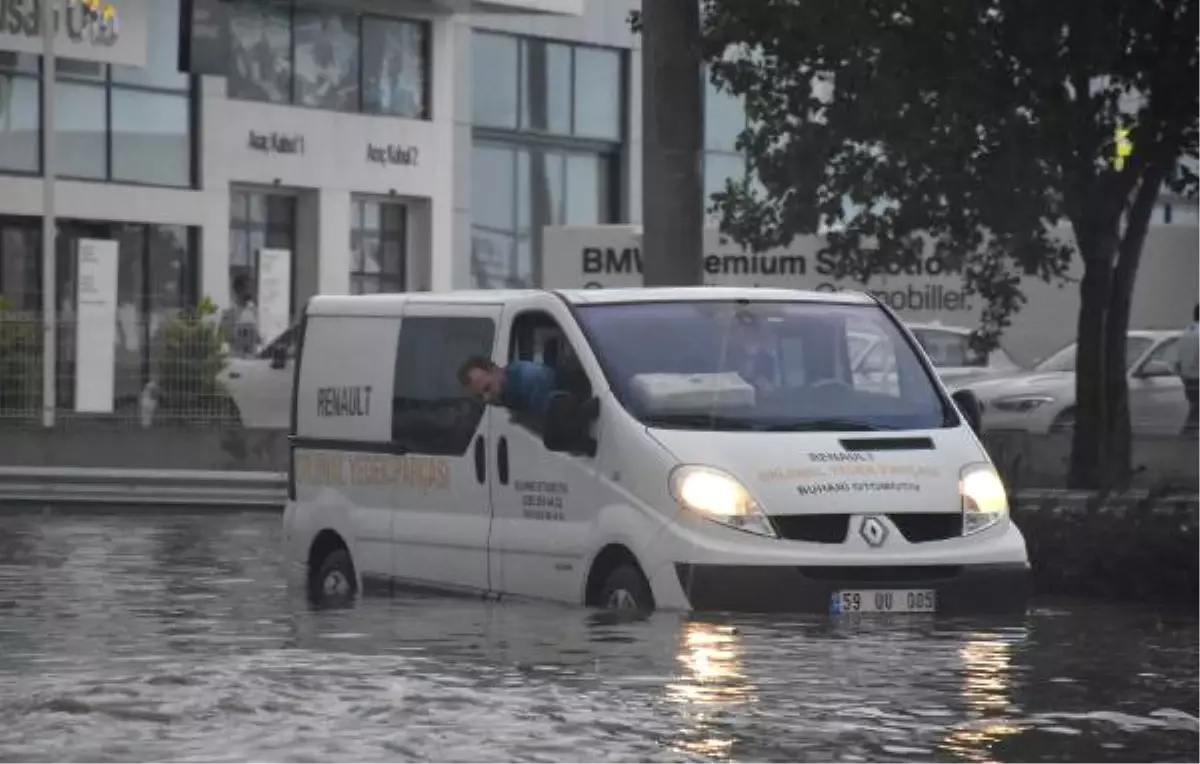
62 486
165 372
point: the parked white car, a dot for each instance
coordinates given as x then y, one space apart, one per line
1043 400
948 347
261 386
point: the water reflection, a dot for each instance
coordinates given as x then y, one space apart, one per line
710 684
987 679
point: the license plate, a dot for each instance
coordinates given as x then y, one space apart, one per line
883 601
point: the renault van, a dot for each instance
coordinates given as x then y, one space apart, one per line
701 449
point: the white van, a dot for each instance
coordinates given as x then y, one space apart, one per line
703 448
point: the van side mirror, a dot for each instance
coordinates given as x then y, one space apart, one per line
1156 368
567 423
968 406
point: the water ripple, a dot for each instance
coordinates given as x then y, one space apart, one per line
176 638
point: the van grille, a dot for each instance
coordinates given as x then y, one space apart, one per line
919 527
916 527
816 529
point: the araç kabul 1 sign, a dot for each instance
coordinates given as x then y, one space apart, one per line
104 31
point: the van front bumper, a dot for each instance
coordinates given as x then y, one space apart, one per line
960 589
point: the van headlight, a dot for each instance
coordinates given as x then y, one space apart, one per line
719 497
984 498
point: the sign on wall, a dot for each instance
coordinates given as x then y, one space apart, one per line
108 31
274 292
611 256
96 332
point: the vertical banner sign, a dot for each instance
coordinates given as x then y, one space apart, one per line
96 332
274 292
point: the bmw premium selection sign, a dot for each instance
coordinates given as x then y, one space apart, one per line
107 31
96 332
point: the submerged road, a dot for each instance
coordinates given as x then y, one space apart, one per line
175 637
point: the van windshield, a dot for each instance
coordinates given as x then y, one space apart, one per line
769 366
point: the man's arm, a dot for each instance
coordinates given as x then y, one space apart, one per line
539 384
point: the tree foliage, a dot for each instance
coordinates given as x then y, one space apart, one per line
977 126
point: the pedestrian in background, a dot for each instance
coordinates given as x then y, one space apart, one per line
240 322
1187 361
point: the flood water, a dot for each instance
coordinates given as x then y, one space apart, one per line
176 637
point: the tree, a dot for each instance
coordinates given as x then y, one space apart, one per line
977 126
673 143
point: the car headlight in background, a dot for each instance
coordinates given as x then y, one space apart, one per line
984 498
719 497
1021 404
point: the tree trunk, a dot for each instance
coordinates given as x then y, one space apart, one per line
672 144
1089 446
1118 434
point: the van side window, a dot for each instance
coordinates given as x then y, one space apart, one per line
431 413
537 337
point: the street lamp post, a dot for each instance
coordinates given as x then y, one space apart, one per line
49 227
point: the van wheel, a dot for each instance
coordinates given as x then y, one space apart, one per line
333 582
626 589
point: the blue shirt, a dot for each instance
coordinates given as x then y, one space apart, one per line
527 386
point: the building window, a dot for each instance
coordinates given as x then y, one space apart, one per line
395 73
260 47
548 131
378 238
156 279
20 113
258 220
327 65
112 123
282 52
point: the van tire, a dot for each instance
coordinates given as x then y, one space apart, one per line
626 588
333 582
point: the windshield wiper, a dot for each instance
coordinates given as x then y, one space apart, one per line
826 425
700 421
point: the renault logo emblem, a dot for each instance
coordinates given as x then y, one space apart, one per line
873 531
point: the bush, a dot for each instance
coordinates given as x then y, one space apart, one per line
192 354
20 362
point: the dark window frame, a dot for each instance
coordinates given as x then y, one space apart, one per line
244 226
362 18
188 92
610 152
35 77
399 236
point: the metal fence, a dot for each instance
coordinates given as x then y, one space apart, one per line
165 372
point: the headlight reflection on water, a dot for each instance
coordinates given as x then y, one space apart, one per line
987 692
710 685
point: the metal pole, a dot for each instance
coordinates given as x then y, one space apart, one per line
49 227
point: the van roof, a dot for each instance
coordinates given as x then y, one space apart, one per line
385 304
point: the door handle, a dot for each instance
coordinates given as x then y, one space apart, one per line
502 460
480 460
235 375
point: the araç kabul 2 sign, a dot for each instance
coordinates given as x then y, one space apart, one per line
105 31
